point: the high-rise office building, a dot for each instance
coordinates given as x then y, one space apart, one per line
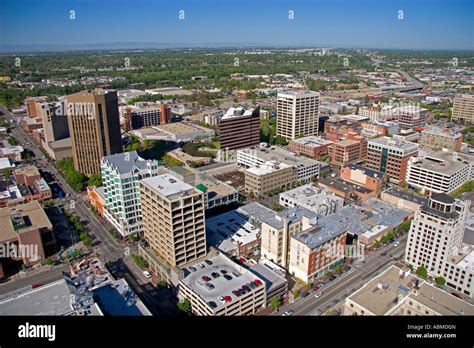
297 114
390 156
463 109
435 241
240 128
121 175
94 126
173 219
55 124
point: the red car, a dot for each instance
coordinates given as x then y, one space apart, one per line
258 282
206 278
227 299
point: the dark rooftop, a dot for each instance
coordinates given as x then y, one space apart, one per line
443 198
367 171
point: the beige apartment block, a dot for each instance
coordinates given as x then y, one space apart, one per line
269 176
173 219
438 139
463 109
94 127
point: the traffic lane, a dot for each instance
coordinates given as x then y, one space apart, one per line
42 277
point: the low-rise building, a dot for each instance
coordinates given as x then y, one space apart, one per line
375 129
276 285
402 199
305 168
216 192
312 146
269 176
312 198
399 292
348 151
365 177
410 116
27 231
12 152
437 139
441 171
346 189
97 199
315 251
219 286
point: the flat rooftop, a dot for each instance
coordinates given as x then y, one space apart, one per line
256 211
237 112
27 171
312 141
382 292
313 197
31 213
394 143
182 128
343 185
167 185
222 287
445 162
407 196
291 215
224 231
267 168
279 154
449 133
367 171
214 186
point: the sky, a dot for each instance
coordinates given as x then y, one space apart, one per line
425 24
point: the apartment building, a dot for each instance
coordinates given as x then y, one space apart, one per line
376 129
297 114
315 251
173 219
218 286
277 230
377 112
304 167
441 171
348 151
312 146
435 241
121 175
365 177
269 176
390 156
463 109
437 139
410 116
145 115
94 126
239 128
397 291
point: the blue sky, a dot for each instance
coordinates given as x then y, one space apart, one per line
427 24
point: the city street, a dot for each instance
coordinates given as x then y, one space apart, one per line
361 271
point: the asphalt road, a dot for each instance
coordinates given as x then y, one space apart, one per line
345 284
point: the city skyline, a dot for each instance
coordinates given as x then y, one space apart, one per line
432 25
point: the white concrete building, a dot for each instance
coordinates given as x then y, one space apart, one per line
435 241
121 175
312 198
297 114
305 168
441 171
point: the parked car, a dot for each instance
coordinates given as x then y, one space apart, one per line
396 244
246 288
306 294
252 285
331 278
212 304
227 277
221 298
223 271
288 313
258 282
227 298
215 275
318 294
206 278
147 274
318 312
236 293
209 262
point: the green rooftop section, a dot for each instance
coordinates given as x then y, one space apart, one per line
201 187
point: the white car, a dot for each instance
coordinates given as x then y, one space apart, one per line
221 298
317 294
396 244
147 274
